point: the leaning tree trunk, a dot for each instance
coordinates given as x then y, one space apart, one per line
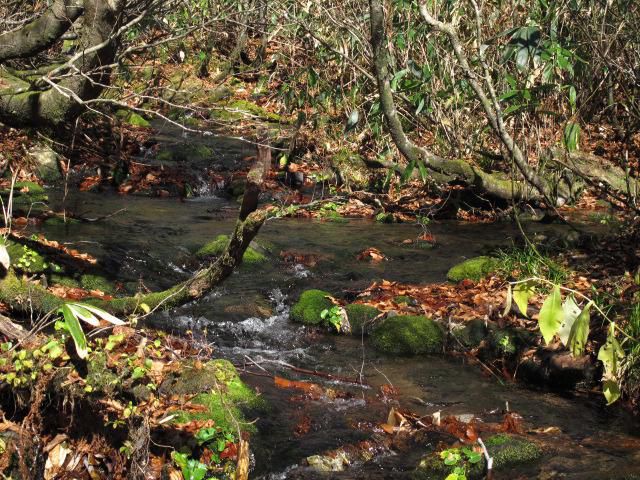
59 95
26 297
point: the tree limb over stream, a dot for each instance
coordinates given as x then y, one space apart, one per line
27 297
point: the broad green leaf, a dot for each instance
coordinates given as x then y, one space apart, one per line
611 391
75 330
521 295
580 332
571 136
424 174
83 314
571 312
406 175
551 315
611 353
102 314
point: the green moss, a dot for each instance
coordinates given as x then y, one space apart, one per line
52 222
403 300
384 217
408 335
185 153
96 282
351 168
309 306
217 386
64 281
218 245
34 188
253 109
99 376
360 317
26 259
473 269
506 450
137 120
472 333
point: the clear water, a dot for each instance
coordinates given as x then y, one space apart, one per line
152 242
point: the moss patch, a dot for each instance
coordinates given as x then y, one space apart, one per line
96 282
309 306
239 108
217 386
351 168
26 259
473 269
183 152
360 317
408 335
506 450
219 244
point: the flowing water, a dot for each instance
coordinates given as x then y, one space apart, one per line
247 321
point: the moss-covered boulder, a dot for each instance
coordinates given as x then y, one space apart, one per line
309 307
408 335
218 388
132 118
238 109
96 282
183 152
351 169
473 269
360 317
507 451
26 259
219 244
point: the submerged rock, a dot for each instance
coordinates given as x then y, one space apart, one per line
473 269
408 335
309 307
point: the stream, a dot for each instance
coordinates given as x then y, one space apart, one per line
247 321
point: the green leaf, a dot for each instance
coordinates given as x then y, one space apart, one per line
611 353
102 314
611 391
83 314
521 295
406 175
551 315
580 332
571 137
424 174
75 330
571 312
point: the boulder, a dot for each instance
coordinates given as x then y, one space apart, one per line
473 269
408 335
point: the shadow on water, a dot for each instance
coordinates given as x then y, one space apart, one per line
247 320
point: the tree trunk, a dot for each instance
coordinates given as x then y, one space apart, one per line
25 104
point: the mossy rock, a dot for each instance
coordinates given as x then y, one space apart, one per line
351 168
26 259
360 317
403 300
217 386
218 245
472 333
132 118
309 307
56 222
238 109
507 451
408 335
473 269
64 281
100 377
185 153
96 282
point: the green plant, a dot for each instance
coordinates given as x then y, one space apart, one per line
191 469
216 439
459 459
334 317
72 313
571 324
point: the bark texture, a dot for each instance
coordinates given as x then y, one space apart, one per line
55 101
